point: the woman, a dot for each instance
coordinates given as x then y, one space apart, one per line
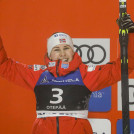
63 87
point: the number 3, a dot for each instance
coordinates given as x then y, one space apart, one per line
60 92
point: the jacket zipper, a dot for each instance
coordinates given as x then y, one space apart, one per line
57 122
57 118
57 67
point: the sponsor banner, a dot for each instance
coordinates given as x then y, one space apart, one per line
120 129
100 101
78 114
131 95
100 126
93 50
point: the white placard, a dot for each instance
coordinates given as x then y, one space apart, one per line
95 50
131 95
100 126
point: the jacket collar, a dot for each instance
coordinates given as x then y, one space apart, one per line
59 68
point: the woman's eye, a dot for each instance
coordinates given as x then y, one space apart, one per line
66 48
56 49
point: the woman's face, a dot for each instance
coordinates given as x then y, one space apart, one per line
62 52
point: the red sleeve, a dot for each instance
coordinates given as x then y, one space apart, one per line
21 74
99 77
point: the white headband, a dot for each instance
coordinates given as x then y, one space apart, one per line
58 38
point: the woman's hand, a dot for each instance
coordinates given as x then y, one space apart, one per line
126 22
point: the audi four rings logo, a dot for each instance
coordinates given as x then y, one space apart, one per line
91 53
